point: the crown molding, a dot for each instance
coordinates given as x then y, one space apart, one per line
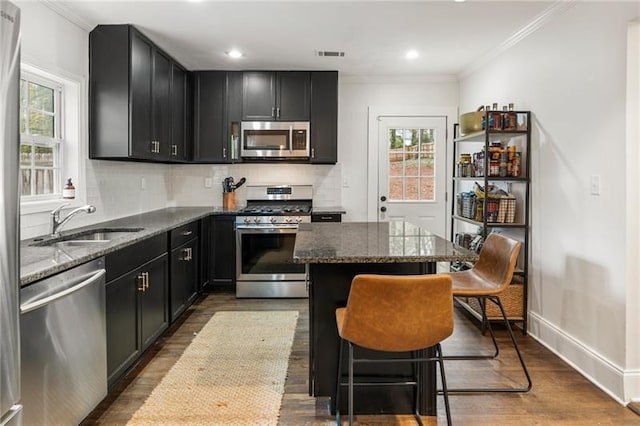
68 14
556 9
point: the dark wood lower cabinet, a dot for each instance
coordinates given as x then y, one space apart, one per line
222 252
136 314
184 277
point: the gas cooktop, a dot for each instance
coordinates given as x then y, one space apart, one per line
276 210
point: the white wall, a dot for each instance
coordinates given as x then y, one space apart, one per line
356 95
571 74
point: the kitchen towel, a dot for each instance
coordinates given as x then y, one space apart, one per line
233 373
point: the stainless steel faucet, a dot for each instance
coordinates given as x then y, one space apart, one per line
56 223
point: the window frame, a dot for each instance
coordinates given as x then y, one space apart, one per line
76 134
56 142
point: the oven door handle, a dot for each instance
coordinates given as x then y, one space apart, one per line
284 229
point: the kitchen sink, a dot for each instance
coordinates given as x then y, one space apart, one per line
91 236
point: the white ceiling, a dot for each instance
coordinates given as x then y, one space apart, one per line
374 35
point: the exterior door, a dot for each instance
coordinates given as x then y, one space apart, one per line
411 171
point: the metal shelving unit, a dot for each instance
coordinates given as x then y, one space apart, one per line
520 229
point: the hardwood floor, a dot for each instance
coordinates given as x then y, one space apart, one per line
560 395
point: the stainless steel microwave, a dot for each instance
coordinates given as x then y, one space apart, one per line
274 139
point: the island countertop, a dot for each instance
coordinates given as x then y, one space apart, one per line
373 242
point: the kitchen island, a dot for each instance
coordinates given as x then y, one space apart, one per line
334 254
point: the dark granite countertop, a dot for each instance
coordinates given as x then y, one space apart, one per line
328 210
373 242
37 262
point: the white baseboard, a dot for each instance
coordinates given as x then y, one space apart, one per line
600 371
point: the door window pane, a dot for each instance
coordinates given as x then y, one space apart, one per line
411 162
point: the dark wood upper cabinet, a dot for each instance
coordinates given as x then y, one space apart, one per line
179 119
210 144
130 96
268 96
324 117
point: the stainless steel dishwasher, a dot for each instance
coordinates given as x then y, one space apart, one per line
63 345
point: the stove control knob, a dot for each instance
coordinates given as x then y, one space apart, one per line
272 219
256 220
298 219
287 219
247 220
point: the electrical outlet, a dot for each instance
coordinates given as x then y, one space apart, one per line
595 185
208 182
143 183
345 181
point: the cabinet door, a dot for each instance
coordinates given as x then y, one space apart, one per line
259 96
203 259
154 318
210 143
123 338
178 285
324 117
234 113
161 105
293 96
178 113
141 72
222 254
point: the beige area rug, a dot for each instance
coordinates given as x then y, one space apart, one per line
233 373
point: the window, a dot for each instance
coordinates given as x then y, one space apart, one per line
411 164
41 139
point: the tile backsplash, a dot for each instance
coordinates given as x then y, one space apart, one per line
189 189
120 189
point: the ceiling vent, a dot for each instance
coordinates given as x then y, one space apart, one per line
333 53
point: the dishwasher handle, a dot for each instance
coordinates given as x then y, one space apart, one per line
47 300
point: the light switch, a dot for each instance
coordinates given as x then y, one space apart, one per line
345 181
208 182
595 185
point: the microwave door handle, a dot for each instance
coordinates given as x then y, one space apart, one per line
290 139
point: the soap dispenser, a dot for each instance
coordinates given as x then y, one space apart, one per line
69 191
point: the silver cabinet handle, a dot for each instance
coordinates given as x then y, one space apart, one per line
313 153
273 112
141 283
187 254
224 152
186 233
278 112
174 150
47 300
146 280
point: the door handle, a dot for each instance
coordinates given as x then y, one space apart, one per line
290 138
383 198
383 209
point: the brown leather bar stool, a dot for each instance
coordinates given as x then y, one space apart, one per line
397 314
490 275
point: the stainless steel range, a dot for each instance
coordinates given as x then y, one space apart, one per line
265 235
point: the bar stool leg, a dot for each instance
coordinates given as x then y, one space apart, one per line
496 300
350 383
445 392
336 400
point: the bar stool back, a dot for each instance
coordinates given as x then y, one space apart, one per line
395 313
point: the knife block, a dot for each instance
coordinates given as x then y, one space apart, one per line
229 200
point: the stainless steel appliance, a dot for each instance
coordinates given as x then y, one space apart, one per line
265 235
10 409
274 139
63 344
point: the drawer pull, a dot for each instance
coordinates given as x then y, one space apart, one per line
186 233
326 217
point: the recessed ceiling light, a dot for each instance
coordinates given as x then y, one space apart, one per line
234 54
412 54
459 1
